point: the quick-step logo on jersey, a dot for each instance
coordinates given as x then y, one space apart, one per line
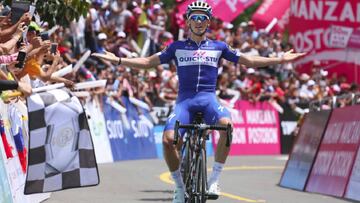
221 108
198 57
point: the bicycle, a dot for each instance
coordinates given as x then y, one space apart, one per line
193 153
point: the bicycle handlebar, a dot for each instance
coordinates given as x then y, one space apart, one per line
227 128
203 127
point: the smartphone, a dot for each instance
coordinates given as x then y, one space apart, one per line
21 59
54 47
44 36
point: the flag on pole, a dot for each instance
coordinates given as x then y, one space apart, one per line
17 132
7 146
61 152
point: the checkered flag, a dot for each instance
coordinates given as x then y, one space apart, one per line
61 152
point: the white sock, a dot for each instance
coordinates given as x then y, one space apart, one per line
216 171
176 176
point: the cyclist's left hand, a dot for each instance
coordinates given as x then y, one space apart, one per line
290 56
107 56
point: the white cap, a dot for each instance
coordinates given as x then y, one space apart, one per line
102 36
152 74
310 83
324 73
250 71
167 35
156 6
336 88
243 24
229 26
121 34
304 76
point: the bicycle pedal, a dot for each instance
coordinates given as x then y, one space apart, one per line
212 196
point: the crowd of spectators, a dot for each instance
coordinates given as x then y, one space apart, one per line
142 28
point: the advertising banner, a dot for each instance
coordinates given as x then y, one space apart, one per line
256 129
354 41
160 114
99 135
289 121
131 134
337 153
322 29
353 187
303 154
339 36
272 9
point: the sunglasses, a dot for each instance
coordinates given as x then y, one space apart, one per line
199 17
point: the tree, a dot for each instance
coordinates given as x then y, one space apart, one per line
59 12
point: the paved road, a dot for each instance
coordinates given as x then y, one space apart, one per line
245 179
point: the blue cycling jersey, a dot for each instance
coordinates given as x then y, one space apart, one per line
197 68
197 64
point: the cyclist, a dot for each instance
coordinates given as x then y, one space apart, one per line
197 59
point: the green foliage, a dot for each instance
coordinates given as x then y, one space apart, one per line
247 14
60 12
169 3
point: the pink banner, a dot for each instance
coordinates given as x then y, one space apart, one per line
353 188
311 23
304 151
226 10
269 10
256 129
336 156
354 41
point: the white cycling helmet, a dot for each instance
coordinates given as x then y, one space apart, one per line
199 6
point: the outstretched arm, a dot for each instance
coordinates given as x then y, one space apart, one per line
141 63
258 61
12 85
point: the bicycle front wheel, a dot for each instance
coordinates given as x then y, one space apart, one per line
201 177
186 164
